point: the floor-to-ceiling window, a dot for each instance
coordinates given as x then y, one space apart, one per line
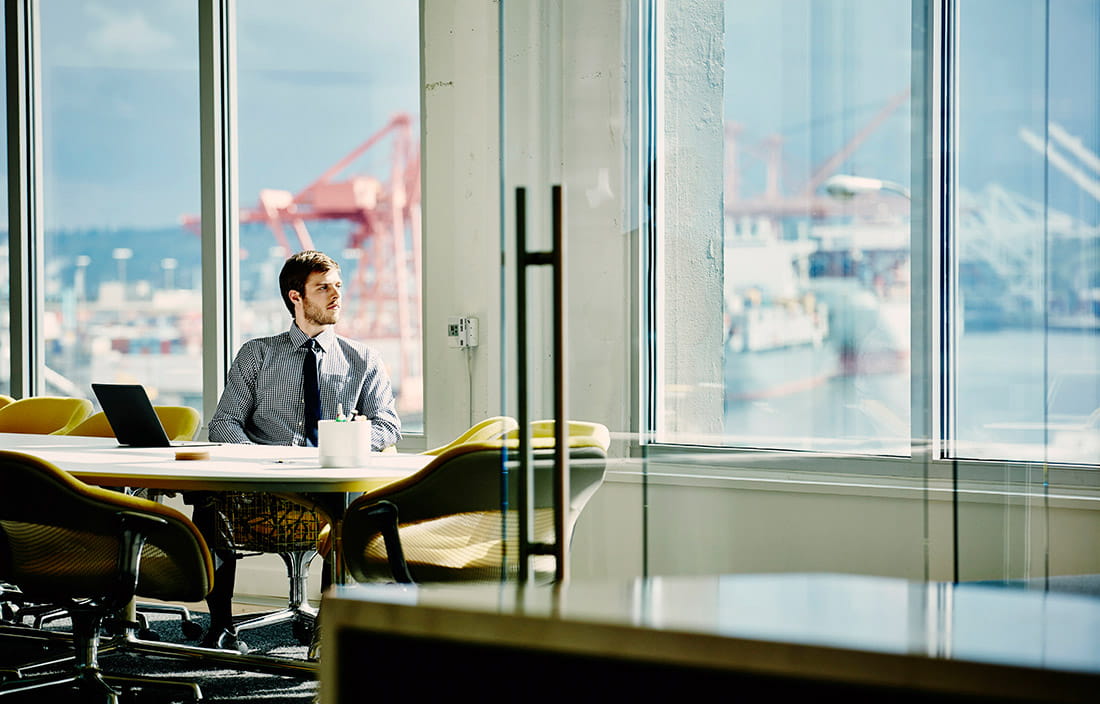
328 144
5 300
328 99
811 209
908 228
120 134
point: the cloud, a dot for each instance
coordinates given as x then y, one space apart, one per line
126 33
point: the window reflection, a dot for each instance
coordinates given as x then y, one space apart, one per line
121 162
816 225
1026 380
5 290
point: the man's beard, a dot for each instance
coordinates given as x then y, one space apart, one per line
320 316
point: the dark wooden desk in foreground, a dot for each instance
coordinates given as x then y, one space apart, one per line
746 636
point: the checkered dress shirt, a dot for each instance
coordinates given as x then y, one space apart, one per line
262 402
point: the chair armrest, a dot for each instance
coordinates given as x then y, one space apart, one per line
381 517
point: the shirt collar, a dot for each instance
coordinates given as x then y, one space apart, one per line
325 339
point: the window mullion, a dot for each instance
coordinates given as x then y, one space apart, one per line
220 220
25 236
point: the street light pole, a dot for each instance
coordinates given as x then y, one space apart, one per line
120 255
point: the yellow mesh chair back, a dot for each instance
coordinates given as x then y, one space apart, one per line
62 537
448 515
488 429
44 415
95 426
180 423
580 433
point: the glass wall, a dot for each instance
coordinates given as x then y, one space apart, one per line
575 118
803 188
787 229
328 97
1022 347
121 165
1025 372
5 287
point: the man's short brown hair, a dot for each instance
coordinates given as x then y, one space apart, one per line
297 269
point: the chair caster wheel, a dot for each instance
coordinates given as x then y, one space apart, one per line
303 632
191 630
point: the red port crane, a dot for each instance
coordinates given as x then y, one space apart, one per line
385 233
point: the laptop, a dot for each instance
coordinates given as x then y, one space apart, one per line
132 418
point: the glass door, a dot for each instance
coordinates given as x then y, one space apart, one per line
1024 374
736 187
828 328
573 136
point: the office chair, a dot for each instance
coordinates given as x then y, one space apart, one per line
44 415
180 423
444 522
92 550
254 523
488 429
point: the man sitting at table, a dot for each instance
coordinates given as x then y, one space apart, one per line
280 386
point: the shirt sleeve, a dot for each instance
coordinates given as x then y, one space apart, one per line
378 404
238 399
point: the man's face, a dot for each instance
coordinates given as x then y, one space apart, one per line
321 297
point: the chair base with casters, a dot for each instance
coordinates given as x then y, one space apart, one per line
246 524
85 674
298 611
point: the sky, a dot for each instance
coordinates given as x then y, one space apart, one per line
120 93
120 100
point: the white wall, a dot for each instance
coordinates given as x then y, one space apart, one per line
460 201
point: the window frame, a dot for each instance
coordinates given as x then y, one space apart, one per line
934 280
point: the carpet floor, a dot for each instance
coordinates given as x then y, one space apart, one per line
219 683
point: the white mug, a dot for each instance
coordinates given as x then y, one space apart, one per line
343 443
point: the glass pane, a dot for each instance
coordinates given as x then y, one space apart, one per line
809 208
330 160
1027 360
572 118
668 205
5 286
121 165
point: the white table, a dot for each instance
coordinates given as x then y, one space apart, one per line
101 461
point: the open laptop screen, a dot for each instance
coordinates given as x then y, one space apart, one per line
132 416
